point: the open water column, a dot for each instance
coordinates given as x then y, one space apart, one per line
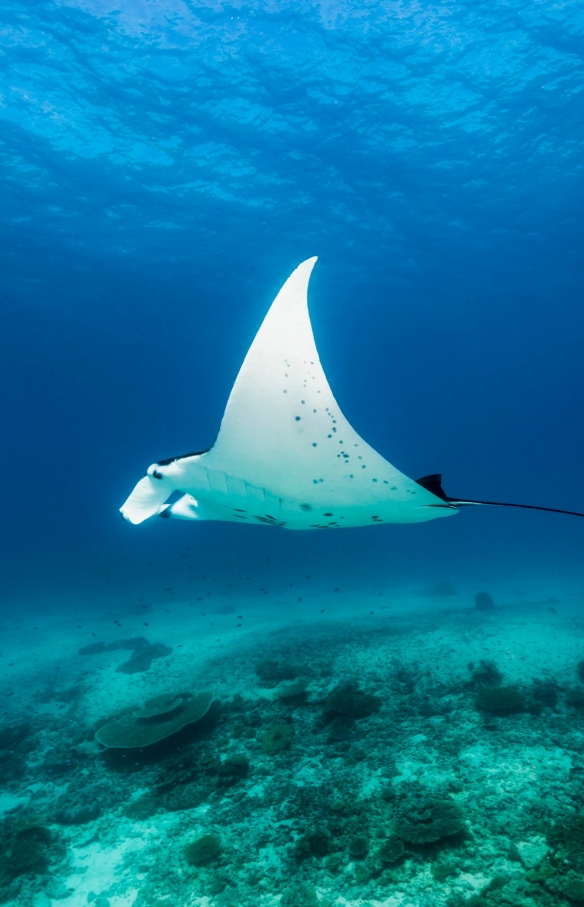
213 702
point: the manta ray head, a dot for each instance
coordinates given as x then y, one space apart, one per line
162 480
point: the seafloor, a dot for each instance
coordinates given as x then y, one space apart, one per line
397 750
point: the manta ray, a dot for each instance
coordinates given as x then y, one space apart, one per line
285 455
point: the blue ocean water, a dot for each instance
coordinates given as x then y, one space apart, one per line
166 164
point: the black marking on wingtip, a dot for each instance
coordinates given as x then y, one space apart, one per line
433 484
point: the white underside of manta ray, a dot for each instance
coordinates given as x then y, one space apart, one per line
285 454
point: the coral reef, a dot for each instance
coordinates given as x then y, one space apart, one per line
566 837
12 735
143 657
348 700
486 673
317 843
545 691
277 738
271 672
430 821
203 850
232 769
387 784
500 700
292 693
79 804
161 717
143 652
358 847
574 697
391 850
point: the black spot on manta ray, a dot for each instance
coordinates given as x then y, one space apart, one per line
270 520
156 474
306 507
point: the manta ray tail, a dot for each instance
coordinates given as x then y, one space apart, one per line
433 484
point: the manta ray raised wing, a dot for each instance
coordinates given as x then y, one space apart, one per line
285 454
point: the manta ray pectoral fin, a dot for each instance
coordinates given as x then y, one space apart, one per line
146 499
